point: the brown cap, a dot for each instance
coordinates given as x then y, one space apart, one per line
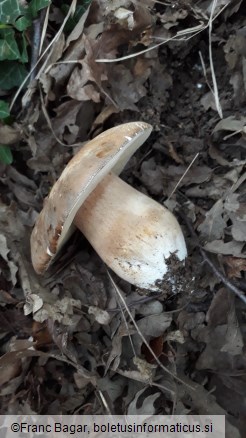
108 152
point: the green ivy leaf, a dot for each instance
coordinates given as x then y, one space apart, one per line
24 54
8 46
73 20
37 5
12 74
22 23
6 156
9 10
4 110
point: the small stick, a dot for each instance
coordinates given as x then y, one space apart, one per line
215 270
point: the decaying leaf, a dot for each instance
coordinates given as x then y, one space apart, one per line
226 248
4 253
10 134
232 124
235 266
214 223
101 316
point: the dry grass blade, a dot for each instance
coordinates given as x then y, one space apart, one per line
142 336
155 46
215 87
182 177
104 402
127 328
46 20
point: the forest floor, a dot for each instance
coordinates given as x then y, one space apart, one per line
67 344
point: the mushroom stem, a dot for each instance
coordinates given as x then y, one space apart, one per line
131 232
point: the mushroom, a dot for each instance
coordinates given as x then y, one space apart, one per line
133 234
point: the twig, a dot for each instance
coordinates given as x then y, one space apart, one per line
215 270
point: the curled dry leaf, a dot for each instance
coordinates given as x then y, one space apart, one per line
146 408
145 372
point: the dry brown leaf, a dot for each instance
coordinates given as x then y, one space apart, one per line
4 252
113 388
102 117
100 315
152 176
226 248
235 266
238 229
78 86
222 313
115 354
10 222
156 344
146 408
232 124
19 178
216 155
10 134
78 30
150 308
214 223
154 325
61 310
7 373
124 89
145 371
171 17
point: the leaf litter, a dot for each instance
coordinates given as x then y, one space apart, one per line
180 67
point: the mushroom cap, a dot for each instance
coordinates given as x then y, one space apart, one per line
108 152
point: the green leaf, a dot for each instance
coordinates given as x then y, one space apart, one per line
73 20
24 54
22 23
12 74
8 46
6 156
5 26
37 5
4 110
9 10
